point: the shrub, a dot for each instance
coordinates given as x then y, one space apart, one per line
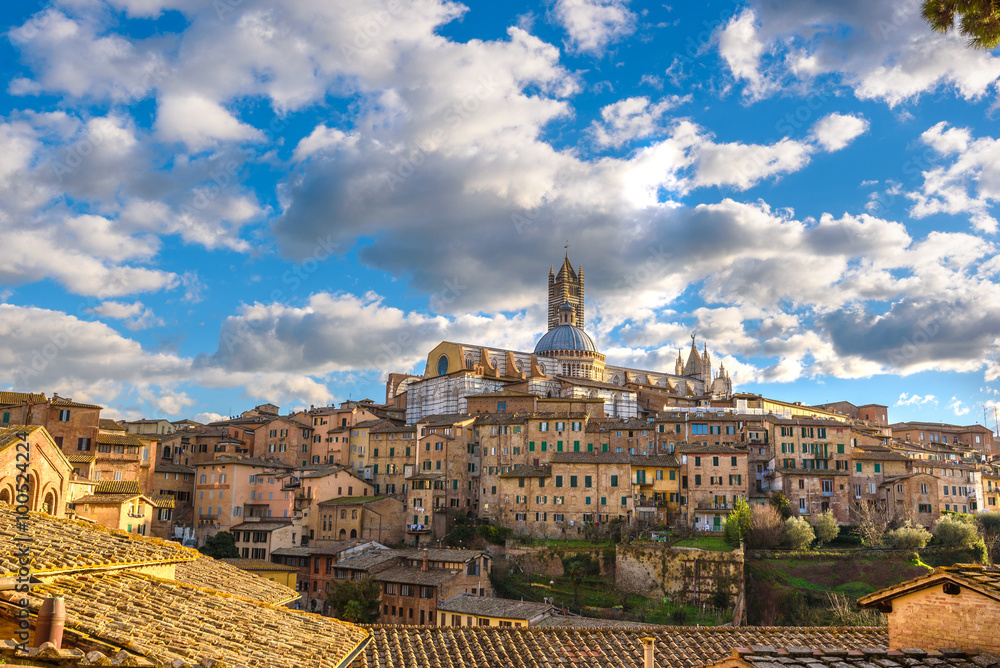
956 531
767 530
799 533
908 537
781 504
826 528
738 522
980 552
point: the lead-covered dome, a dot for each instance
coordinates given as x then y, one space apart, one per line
565 337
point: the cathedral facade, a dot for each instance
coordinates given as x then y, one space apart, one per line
564 363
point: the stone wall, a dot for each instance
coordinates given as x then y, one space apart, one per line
682 574
549 560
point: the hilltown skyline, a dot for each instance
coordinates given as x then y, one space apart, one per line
200 219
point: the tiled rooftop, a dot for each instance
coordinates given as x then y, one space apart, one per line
257 565
536 647
494 607
220 576
800 657
59 545
118 487
12 434
119 438
984 579
167 621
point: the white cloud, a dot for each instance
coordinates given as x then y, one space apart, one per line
915 400
166 402
741 47
969 183
593 24
883 50
136 315
835 131
632 118
199 123
956 406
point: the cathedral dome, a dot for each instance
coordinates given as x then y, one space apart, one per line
565 337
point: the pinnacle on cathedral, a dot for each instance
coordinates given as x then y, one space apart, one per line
566 286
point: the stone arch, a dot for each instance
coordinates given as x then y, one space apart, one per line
7 495
50 500
33 493
354 533
343 534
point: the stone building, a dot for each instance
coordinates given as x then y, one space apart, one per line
30 450
975 435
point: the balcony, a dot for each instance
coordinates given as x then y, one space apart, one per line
711 505
417 528
137 514
117 456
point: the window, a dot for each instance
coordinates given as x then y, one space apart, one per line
802 504
698 428
878 467
587 481
572 481
715 461
857 467
614 481
559 481
697 461
64 416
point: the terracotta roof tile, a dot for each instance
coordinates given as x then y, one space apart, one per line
828 657
984 579
119 439
110 425
166 621
532 647
118 487
60 545
258 565
220 576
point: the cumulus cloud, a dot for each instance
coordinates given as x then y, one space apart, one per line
136 315
956 406
968 181
906 399
200 123
883 50
632 118
593 24
835 131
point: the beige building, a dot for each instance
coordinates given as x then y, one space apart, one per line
712 478
227 491
257 538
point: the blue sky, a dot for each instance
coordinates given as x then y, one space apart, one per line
207 205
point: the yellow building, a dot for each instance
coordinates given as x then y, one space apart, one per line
656 487
468 610
284 575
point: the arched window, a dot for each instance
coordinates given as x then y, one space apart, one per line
354 533
354 515
343 534
343 514
469 361
443 365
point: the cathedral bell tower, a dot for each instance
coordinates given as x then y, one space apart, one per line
566 286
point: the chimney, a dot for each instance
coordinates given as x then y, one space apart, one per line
424 566
647 653
50 622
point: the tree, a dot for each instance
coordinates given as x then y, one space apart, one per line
738 522
989 529
908 537
781 504
956 531
872 521
826 528
355 601
221 546
799 533
980 20
767 529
